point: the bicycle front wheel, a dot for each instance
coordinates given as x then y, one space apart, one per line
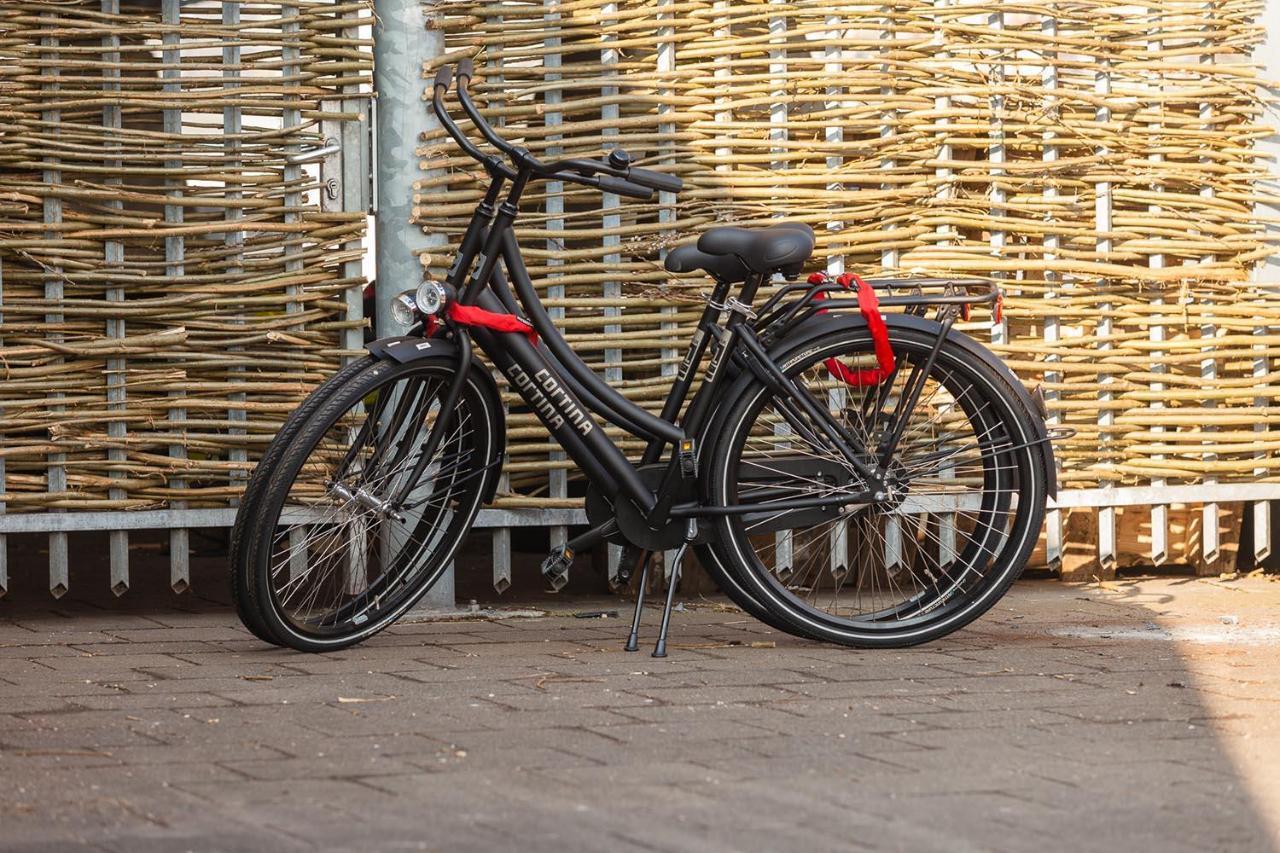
353 525
965 498
247 514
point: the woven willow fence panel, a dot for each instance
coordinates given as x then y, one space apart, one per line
171 284
1095 159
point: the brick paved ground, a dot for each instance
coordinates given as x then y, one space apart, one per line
1140 716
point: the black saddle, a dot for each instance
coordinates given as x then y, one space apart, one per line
731 253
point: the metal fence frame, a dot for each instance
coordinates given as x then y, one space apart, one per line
345 170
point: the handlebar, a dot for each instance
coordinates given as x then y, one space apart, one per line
611 184
660 181
443 78
615 175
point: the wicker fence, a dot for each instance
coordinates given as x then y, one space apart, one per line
178 264
173 275
1096 160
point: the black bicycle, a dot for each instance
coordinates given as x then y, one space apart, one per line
870 479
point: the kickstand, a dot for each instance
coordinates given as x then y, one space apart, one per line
691 533
660 650
632 645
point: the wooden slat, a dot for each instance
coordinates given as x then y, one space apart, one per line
1159 512
666 67
234 239
1210 544
785 557
889 260
611 223
838 562
4 540
558 477
113 257
1052 330
56 476
1102 225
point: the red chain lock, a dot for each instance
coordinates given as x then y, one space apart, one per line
471 315
869 306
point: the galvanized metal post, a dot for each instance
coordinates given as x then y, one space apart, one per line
402 43
175 253
1267 55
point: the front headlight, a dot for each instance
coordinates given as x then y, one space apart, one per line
431 297
404 310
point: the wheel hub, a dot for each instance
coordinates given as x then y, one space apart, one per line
364 498
896 486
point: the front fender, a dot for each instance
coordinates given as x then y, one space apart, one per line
407 348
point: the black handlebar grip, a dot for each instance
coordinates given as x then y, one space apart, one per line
466 69
610 184
656 180
444 76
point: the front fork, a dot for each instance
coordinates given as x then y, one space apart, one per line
401 409
444 420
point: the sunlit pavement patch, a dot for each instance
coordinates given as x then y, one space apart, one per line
1204 634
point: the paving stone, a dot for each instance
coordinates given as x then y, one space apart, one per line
90 665
176 730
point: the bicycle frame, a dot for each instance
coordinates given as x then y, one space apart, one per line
558 386
565 393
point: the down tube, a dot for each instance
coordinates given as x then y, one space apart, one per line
561 412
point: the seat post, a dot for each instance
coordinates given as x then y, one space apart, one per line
749 287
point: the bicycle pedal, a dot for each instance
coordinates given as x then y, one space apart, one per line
556 568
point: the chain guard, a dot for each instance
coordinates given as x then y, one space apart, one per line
632 528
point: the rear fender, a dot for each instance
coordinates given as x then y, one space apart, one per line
407 348
810 330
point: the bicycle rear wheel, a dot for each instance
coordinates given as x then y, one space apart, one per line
964 505
353 525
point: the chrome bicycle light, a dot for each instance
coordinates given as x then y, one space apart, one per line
431 297
404 310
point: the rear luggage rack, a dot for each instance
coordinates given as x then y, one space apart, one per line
916 295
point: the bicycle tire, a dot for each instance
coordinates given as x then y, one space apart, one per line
423 570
